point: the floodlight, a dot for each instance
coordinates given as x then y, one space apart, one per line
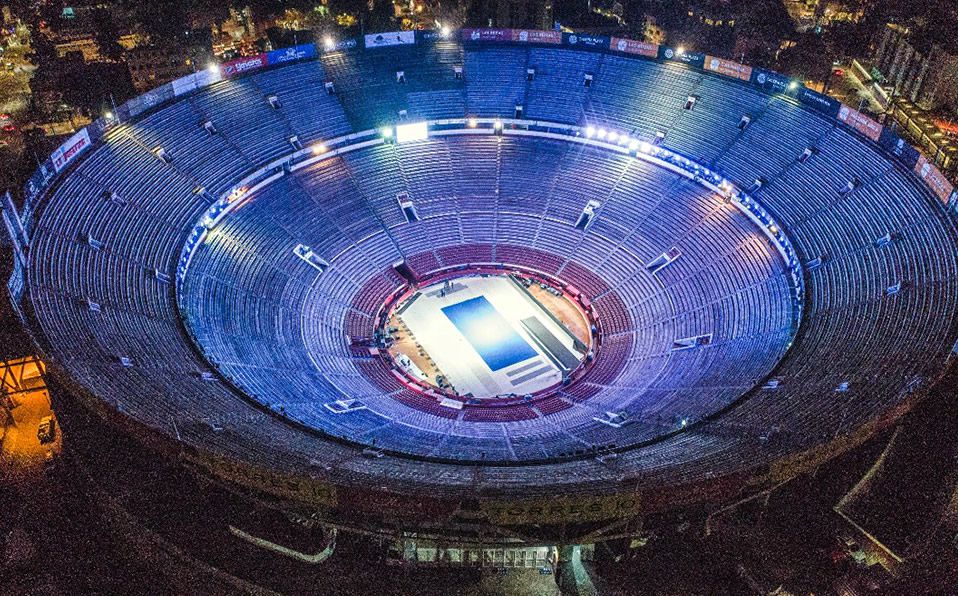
415 131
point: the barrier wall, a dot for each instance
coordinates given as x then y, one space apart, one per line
768 81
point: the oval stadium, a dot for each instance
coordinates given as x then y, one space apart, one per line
510 288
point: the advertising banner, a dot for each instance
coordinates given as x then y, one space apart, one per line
391 505
342 45
487 35
36 184
428 35
300 52
536 36
240 66
390 38
69 151
934 179
728 68
561 509
267 480
860 122
13 224
690 58
580 40
897 146
632 46
771 82
822 103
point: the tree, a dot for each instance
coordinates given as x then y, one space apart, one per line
107 35
808 59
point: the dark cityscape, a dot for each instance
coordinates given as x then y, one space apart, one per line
547 297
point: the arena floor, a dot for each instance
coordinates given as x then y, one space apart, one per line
488 336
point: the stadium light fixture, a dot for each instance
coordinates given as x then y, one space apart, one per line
386 132
645 147
601 133
680 51
613 136
590 131
108 115
634 145
329 43
472 123
497 125
320 148
415 131
792 86
213 68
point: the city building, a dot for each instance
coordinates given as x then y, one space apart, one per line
924 72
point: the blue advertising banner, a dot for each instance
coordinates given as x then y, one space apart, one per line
897 146
771 82
822 103
583 40
428 35
342 45
292 54
679 55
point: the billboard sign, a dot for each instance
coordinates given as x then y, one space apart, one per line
536 36
860 122
632 46
390 38
342 45
13 224
673 54
300 52
934 179
240 66
770 81
69 151
820 102
897 146
487 34
580 40
728 68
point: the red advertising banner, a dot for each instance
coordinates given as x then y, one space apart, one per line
487 34
537 36
934 179
631 46
728 68
860 122
240 66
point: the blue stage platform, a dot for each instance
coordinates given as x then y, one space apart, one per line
489 333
